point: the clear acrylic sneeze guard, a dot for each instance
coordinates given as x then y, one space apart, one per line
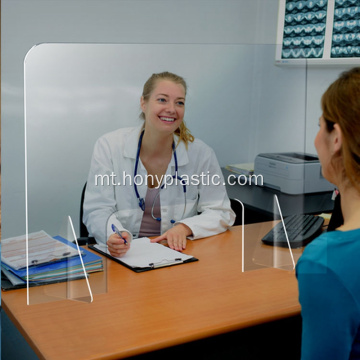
65 278
284 258
55 173
74 93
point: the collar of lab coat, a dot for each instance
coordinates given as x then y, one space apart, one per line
132 141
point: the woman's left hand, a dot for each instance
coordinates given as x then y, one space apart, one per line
176 237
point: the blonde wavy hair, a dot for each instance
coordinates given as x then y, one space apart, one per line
182 131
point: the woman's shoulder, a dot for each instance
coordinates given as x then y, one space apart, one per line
119 138
120 133
315 251
119 141
196 152
331 245
200 145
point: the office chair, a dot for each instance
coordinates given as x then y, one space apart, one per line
84 234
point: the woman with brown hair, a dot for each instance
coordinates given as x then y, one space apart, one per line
157 172
328 272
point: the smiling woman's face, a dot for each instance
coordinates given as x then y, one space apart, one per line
165 108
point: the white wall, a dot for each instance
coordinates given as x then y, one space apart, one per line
273 120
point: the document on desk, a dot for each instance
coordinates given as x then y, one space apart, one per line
42 249
144 255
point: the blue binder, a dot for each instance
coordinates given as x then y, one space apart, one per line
70 268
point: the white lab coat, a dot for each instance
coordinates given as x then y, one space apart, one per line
208 210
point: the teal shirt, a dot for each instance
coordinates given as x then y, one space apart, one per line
328 274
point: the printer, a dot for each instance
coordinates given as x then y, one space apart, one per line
291 172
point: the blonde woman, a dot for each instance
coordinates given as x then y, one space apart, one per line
165 183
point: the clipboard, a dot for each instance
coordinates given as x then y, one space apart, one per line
144 255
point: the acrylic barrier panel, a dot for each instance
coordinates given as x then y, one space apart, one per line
238 102
278 253
257 254
67 275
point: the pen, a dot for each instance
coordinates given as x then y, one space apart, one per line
116 230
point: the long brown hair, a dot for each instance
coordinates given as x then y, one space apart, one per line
182 131
341 104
